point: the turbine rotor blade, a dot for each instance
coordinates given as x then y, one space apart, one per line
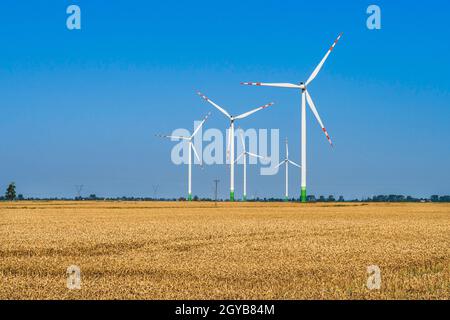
195 151
240 156
245 115
278 85
280 164
242 140
201 124
173 137
287 149
229 143
320 65
316 114
215 105
255 155
293 163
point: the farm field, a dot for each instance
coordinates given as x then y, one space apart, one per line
174 250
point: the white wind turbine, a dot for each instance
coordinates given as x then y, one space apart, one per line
244 155
305 97
191 148
286 162
230 145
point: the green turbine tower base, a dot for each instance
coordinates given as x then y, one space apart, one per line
303 195
189 198
232 196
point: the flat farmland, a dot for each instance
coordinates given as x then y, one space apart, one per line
180 250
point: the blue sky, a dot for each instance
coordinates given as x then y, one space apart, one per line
82 107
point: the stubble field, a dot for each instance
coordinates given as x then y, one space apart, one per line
155 250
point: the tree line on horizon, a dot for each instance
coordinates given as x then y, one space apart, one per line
11 195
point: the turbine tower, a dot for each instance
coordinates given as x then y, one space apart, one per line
230 145
287 162
244 155
191 148
302 87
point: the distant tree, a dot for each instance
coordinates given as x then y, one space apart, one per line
20 197
411 199
396 198
331 198
380 198
444 199
434 198
11 192
322 199
195 198
341 199
92 197
311 198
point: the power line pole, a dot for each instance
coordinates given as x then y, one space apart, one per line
155 191
216 182
79 188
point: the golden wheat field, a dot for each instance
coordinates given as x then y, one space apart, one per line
156 250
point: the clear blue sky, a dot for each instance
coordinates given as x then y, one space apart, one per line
82 107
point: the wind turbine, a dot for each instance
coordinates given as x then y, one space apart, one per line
230 145
191 148
286 162
305 97
244 155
